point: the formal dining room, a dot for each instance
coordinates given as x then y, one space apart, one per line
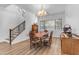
39 29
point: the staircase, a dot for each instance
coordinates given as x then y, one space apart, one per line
13 33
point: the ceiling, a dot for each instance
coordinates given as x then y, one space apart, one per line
34 8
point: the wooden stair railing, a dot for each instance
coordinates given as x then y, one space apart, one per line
13 33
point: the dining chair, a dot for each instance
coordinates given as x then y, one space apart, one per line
34 41
46 35
48 41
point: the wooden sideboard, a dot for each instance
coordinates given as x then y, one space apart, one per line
70 45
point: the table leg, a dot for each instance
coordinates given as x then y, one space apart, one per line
41 42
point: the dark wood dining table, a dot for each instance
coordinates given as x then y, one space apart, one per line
40 36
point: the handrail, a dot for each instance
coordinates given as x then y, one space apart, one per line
18 25
13 33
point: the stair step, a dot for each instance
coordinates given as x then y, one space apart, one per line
12 37
15 33
9 39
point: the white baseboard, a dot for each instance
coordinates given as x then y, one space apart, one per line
14 41
3 40
17 40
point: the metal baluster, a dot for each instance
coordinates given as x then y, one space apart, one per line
10 37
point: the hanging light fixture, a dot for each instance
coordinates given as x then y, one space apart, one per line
42 12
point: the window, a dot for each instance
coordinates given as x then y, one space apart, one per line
56 24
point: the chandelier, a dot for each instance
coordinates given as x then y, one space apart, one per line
42 12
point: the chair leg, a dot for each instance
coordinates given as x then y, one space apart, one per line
41 44
30 46
36 45
49 44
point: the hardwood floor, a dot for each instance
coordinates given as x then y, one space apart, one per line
23 48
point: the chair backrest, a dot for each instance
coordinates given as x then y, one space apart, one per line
45 30
35 27
31 34
51 33
50 38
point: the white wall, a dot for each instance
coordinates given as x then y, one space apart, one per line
72 17
10 17
30 19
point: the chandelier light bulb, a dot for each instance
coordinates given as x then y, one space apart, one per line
42 12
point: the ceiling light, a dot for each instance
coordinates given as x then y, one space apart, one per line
42 12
